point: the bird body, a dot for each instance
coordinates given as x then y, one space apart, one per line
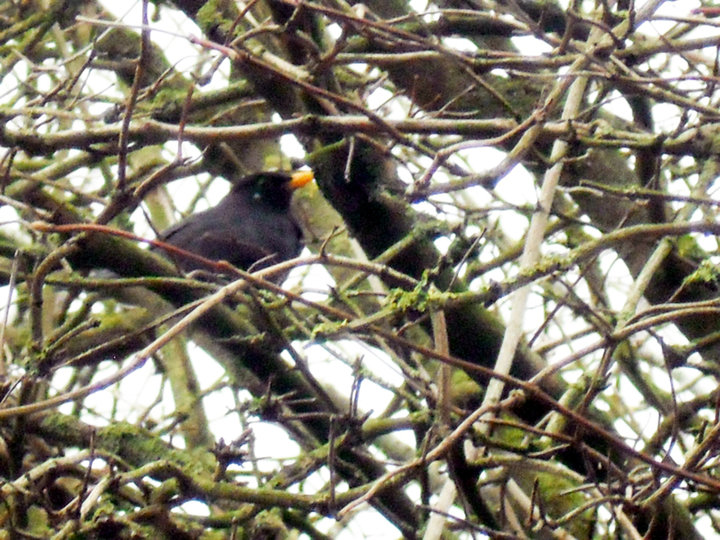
251 227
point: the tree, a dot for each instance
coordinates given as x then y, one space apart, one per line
549 317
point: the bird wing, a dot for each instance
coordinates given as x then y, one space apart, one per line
218 246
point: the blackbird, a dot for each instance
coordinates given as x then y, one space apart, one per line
251 227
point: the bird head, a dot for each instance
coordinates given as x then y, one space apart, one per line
274 188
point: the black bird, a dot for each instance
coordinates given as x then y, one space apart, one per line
252 223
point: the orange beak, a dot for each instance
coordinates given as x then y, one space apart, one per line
300 178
